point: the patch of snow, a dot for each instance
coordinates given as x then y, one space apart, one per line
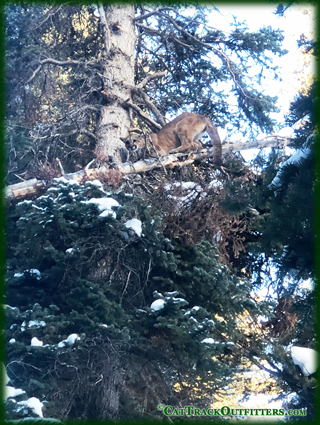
183 185
71 251
38 208
35 342
106 213
96 183
215 183
179 300
61 180
305 358
217 237
191 189
12 392
103 203
24 202
34 404
12 341
18 275
295 158
35 272
157 305
36 324
172 294
135 225
33 324
209 341
72 339
195 308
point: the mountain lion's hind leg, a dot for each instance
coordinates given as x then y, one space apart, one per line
187 143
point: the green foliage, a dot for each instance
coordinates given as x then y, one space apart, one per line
286 196
55 115
76 271
83 282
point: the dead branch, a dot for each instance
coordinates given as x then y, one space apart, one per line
149 77
142 114
30 187
153 12
55 62
151 106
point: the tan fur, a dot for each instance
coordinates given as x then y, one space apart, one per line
183 134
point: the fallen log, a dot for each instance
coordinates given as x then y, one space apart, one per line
30 187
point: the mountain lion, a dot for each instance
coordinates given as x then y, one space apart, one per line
183 134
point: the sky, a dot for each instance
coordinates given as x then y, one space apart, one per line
294 23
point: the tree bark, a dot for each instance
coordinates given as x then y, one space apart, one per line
30 187
119 39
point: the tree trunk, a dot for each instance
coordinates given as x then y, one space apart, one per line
119 39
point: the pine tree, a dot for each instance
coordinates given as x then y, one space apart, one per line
83 278
121 297
83 101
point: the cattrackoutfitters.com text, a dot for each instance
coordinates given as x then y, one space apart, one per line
227 411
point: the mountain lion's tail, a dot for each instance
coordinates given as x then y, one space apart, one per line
215 141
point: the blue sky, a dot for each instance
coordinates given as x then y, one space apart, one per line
295 22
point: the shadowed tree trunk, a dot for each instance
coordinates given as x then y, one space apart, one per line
119 40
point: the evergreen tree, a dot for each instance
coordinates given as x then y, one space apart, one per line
124 295
76 107
83 278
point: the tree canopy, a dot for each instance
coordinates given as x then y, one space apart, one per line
58 88
170 287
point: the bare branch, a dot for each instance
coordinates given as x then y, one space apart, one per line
151 106
153 12
70 133
88 133
51 12
150 77
266 142
59 63
262 367
148 29
142 114
60 165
